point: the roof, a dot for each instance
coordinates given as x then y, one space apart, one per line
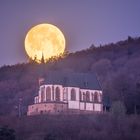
73 79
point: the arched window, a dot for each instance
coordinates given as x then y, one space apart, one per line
80 96
57 94
96 97
87 96
42 94
84 96
92 96
73 95
36 100
48 93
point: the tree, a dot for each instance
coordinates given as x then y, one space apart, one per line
49 137
118 108
7 133
102 67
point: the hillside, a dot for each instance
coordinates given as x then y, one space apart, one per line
77 127
116 66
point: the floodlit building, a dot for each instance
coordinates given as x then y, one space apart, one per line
68 93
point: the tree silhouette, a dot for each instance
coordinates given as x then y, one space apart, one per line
7 133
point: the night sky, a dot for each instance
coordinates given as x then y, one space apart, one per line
83 22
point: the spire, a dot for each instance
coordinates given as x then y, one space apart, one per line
42 66
42 59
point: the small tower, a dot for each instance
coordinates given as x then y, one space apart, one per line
42 70
42 59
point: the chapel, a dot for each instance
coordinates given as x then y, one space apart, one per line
67 93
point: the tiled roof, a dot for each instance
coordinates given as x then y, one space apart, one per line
71 79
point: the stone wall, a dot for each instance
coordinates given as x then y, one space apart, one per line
47 108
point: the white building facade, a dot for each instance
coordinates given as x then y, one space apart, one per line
68 96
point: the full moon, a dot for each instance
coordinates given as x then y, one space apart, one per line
44 40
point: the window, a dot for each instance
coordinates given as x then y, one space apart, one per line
92 96
36 99
84 96
96 97
57 94
73 95
48 93
87 96
80 96
42 94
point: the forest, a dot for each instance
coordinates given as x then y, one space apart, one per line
117 68
73 127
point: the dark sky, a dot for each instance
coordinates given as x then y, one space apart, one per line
83 22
